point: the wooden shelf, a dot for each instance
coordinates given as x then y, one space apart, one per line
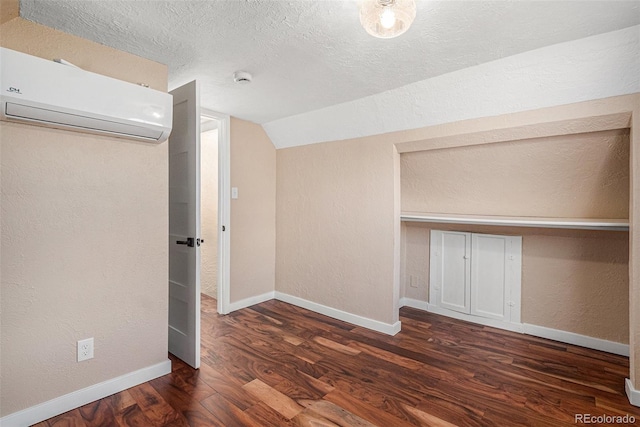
537 222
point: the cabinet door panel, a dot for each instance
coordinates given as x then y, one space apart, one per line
489 296
455 284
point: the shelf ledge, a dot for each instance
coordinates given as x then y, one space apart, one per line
537 222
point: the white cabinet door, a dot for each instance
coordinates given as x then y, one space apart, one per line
452 285
476 274
490 296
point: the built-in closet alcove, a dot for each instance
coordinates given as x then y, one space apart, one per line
567 196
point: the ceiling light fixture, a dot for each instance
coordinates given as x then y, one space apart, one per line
386 18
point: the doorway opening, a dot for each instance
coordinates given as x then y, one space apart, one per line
209 206
214 207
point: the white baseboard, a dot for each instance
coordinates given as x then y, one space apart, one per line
248 302
632 394
365 322
514 327
537 331
424 305
577 339
413 303
67 402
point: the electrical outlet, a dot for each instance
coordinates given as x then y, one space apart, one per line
85 349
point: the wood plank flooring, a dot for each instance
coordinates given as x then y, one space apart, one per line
274 364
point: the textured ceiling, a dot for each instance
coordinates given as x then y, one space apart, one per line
307 55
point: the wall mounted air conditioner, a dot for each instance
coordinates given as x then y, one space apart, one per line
49 93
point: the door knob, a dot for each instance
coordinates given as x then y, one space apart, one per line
189 242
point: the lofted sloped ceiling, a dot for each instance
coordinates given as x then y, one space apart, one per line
309 55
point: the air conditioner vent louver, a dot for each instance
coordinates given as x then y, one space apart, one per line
43 115
38 91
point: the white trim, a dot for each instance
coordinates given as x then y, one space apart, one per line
248 302
413 303
514 276
515 327
577 339
365 322
568 223
632 393
526 328
224 208
67 402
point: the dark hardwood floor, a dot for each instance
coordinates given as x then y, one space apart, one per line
274 364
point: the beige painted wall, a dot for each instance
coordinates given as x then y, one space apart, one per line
9 9
414 277
253 214
571 281
583 175
84 241
209 213
336 225
577 282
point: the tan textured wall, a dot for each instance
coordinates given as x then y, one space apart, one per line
577 283
209 213
583 117
84 241
335 228
584 175
415 271
9 9
253 214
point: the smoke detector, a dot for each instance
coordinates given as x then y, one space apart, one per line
242 77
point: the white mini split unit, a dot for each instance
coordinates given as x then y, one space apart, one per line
38 91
